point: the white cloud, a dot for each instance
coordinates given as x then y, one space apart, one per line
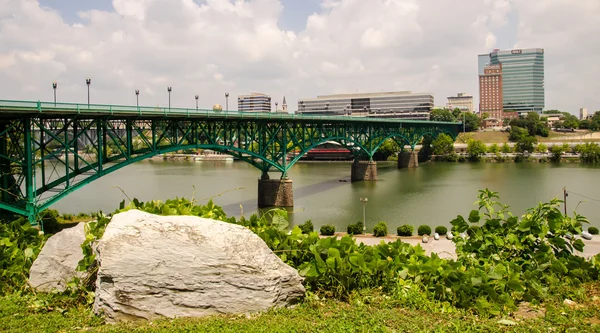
236 46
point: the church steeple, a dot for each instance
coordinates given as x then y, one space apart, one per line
284 105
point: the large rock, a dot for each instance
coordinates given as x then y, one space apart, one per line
186 266
56 264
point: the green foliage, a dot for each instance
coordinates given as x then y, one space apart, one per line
442 115
541 148
532 124
443 145
589 152
472 122
524 259
517 133
405 230
494 148
593 230
327 230
307 227
441 230
426 148
424 230
556 152
356 228
526 144
475 149
20 244
506 149
387 149
380 229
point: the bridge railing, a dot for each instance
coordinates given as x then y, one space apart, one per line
51 107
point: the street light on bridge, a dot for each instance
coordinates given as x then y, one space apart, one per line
364 204
137 98
196 97
54 86
226 101
169 90
88 81
276 104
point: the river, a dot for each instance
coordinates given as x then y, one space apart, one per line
433 194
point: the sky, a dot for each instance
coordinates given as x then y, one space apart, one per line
293 48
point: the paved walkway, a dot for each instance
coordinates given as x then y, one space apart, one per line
445 248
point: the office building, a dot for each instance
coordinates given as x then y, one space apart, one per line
255 102
522 78
462 101
583 113
397 104
491 91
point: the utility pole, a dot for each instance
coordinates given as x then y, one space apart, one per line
565 195
364 203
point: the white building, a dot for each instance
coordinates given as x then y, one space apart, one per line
583 113
461 101
255 102
396 104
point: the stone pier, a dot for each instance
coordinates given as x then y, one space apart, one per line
364 170
275 193
408 159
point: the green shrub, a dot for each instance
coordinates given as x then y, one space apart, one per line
355 229
441 230
307 227
405 230
593 230
380 229
327 230
424 230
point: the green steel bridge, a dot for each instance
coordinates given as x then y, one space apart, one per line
48 150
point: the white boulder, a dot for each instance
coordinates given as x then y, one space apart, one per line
185 266
56 264
436 236
449 235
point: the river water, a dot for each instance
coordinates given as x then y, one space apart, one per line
433 194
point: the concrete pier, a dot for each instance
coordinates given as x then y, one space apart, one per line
363 170
275 193
408 159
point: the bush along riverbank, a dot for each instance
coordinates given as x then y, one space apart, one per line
504 264
525 150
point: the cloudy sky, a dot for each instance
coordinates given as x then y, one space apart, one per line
293 48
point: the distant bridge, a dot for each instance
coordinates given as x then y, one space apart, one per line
48 150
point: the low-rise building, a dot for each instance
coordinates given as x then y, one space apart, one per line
254 102
397 104
462 101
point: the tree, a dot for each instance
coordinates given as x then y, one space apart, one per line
456 113
517 133
570 121
506 148
441 115
472 122
526 144
426 149
556 152
541 148
475 148
388 148
494 148
585 124
485 115
443 145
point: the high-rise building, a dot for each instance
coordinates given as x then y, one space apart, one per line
583 113
491 91
397 104
522 77
461 101
255 102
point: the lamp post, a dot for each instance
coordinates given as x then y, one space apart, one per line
54 86
226 101
169 90
196 97
276 103
137 98
88 81
364 203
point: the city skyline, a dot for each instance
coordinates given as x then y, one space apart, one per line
207 48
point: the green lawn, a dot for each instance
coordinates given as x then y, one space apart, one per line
370 313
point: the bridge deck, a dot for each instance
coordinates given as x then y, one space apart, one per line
10 108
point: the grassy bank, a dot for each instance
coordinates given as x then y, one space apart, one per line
369 312
502 137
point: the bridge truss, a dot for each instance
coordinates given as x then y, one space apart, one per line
49 150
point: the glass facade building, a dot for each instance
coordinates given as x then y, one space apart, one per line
522 79
398 104
255 102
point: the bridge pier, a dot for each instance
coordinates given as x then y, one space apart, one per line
363 170
408 159
275 192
